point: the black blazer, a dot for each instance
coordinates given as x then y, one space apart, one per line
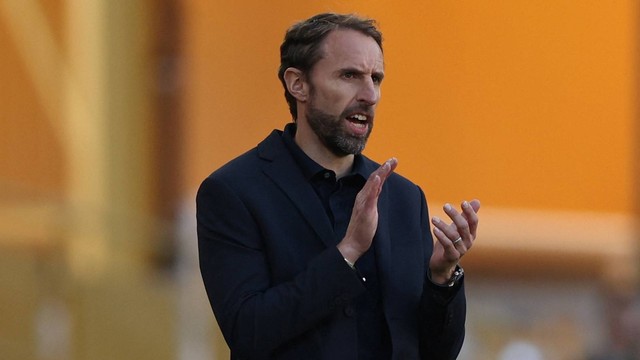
279 287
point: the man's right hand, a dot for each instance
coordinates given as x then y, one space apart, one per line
364 218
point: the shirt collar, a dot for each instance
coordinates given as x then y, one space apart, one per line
311 168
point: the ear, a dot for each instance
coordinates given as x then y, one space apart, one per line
296 84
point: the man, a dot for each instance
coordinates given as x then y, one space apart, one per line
308 249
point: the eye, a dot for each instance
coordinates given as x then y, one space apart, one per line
349 75
377 78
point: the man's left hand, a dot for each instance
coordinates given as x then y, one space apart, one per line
453 240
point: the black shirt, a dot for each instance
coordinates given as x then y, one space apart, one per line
337 197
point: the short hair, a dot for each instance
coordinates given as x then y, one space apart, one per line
301 46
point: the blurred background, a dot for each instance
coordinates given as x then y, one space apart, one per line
113 111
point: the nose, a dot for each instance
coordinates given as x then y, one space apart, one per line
369 92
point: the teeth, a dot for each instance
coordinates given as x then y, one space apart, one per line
359 117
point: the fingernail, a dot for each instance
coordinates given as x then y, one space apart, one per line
447 207
465 204
435 219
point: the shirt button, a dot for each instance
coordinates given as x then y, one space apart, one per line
349 311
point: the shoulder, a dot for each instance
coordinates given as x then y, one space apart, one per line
396 182
250 162
242 164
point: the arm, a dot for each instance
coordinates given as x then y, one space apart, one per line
364 217
255 315
444 308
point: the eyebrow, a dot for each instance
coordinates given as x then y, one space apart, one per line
379 74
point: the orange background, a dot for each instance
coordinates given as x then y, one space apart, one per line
112 113
520 104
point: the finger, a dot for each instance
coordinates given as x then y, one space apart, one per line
386 171
461 224
453 250
472 218
374 182
475 204
383 173
449 230
368 196
443 239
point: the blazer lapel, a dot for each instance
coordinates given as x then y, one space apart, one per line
382 238
382 243
282 169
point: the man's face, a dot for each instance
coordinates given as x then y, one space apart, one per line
344 90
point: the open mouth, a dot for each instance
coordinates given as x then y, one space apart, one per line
359 124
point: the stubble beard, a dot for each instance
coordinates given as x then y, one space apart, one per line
331 131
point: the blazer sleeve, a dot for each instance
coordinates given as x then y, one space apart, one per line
442 312
257 316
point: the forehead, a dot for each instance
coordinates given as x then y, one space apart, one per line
351 48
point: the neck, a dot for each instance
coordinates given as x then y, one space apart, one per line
309 142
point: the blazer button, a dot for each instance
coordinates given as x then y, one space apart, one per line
349 311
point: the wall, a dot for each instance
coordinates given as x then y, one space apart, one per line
112 113
529 106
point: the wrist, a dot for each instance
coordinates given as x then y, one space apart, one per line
351 265
441 277
447 278
349 254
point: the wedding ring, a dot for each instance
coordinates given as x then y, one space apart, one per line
457 240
